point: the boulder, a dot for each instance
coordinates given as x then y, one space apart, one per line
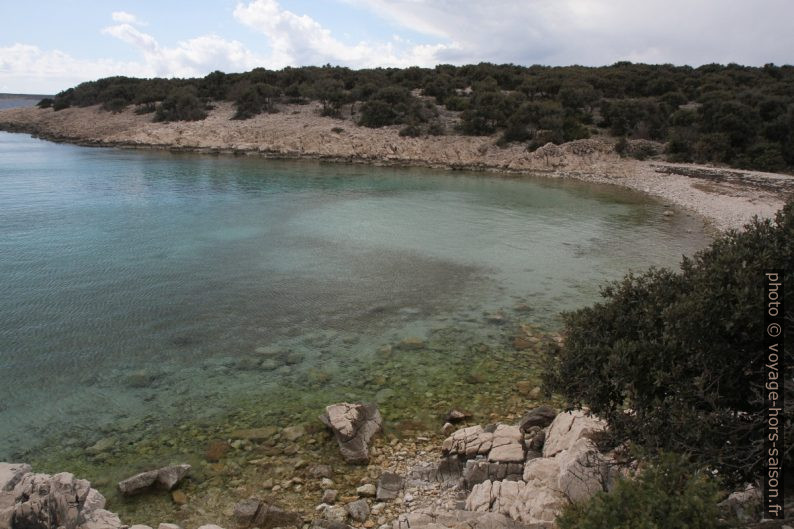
41 501
165 478
102 519
528 503
168 526
210 526
389 486
507 445
468 442
367 491
256 513
744 505
358 510
541 416
569 427
353 425
457 519
583 471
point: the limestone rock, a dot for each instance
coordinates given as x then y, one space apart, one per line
210 526
583 470
389 486
456 519
479 470
358 510
528 503
329 496
102 519
168 526
468 442
569 427
164 478
353 425
336 513
507 445
43 501
743 504
367 491
256 513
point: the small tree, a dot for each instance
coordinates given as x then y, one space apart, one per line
181 105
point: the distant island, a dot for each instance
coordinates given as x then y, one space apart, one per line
624 124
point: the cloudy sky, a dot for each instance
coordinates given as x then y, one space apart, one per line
48 46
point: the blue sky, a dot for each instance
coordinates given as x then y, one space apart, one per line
48 46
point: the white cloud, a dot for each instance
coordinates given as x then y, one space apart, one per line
301 40
596 32
29 69
126 18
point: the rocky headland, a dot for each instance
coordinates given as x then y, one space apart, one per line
727 198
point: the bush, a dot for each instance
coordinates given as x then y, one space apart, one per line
181 105
682 351
45 103
412 131
667 495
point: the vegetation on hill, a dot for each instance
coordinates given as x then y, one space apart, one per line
736 115
676 362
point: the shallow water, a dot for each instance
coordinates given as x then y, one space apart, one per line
146 291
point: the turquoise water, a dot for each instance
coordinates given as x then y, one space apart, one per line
142 290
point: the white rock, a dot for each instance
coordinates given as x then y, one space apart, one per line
569 427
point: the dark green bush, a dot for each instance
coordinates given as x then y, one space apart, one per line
669 494
45 103
181 105
683 352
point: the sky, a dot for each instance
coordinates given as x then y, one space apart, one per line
48 46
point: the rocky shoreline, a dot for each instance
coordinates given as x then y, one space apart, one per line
492 476
726 198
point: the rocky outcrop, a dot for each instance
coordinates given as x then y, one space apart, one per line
569 427
499 443
165 478
353 425
41 501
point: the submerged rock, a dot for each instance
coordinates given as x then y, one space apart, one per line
353 425
257 513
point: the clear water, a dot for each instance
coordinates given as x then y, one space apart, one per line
142 290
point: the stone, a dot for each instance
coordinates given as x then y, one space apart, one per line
102 445
252 434
34 501
210 526
168 477
536 393
528 503
216 450
358 510
11 474
366 491
168 526
164 478
541 416
101 519
336 513
329 496
179 497
320 471
507 445
583 471
468 442
139 526
543 470
410 344
447 429
569 427
293 433
744 505
480 470
456 416
328 524
245 511
353 425
389 486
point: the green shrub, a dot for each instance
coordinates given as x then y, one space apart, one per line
181 105
669 494
683 352
45 103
